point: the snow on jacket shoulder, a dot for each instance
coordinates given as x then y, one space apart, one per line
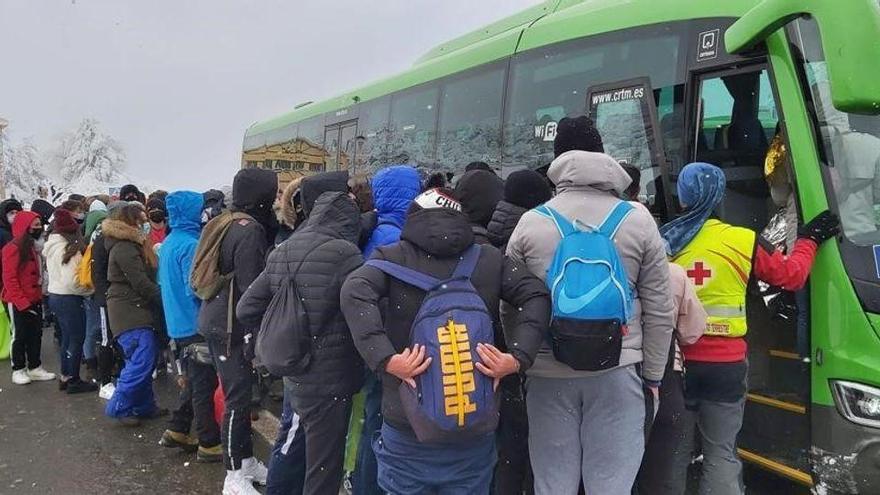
394 189
62 276
22 285
175 263
588 185
432 242
318 257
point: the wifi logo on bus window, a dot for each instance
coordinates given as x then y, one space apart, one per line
546 132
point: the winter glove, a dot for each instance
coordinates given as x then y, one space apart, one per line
825 226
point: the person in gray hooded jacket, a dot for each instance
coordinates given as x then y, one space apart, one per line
592 424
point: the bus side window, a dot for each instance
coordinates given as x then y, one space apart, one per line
414 125
470 119
373 131
736 120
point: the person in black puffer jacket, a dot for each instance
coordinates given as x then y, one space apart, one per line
318 257
287 460
435 235
523 190
479 191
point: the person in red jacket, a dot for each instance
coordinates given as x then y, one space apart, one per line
23 293
723 260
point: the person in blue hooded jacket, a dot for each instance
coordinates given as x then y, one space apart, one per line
195 401
394 189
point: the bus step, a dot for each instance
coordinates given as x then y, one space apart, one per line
777 427
777 466
788 374
782 354
785 402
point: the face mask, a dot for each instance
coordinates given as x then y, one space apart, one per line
10 217
145 228
157 216
36 234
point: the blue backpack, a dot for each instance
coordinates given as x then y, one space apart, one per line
590 291
453 401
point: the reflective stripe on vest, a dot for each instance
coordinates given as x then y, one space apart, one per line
719 261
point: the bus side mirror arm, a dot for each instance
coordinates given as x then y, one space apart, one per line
759 22
849 30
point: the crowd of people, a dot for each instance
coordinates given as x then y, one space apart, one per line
527 335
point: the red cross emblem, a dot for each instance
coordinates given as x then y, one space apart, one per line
699 273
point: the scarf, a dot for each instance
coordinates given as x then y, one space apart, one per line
700 190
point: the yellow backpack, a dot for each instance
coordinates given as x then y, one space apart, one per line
84 270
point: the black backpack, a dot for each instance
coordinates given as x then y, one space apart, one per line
284 342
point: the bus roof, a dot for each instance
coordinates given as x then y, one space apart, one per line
548 22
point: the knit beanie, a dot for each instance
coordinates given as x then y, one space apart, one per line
577 133
526 189
479 192
64 223
129 192
478 166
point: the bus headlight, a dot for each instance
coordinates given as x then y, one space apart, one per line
857 402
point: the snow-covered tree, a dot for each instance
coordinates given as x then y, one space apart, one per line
89 161
22 169
90 153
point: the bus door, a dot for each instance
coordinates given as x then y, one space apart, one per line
733 119
339 143
625 114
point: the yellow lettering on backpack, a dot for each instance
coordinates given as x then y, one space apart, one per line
457 366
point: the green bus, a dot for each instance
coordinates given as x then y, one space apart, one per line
669 82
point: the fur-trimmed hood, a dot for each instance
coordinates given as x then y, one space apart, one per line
120 231
288 209
116 231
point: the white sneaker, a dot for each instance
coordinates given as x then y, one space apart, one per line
106 392
38 374
254 470
20 377
237 484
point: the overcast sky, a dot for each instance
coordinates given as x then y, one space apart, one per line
177 83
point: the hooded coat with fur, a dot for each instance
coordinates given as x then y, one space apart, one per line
588 186
318 257
133 297
288 214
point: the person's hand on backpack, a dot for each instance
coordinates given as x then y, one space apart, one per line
495 363
408 364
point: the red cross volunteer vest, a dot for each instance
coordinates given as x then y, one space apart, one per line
719 261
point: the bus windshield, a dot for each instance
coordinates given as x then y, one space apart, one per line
849 142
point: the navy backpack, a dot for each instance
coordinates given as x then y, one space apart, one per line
453 401
592 300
